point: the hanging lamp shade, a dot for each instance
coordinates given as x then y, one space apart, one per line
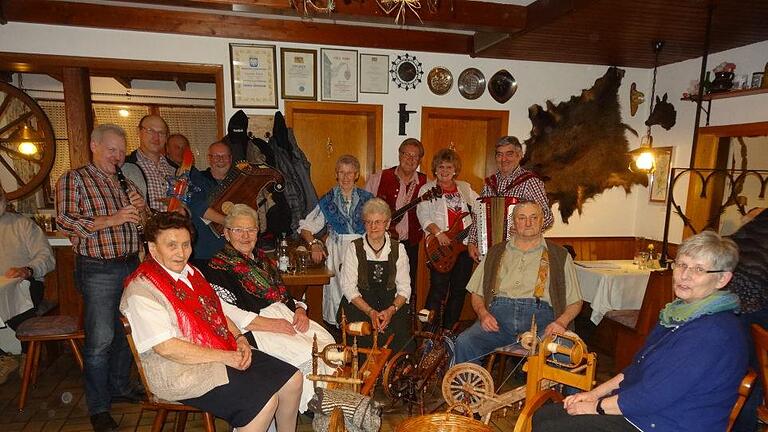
27 140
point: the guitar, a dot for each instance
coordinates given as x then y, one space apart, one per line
429 195
179 186
442 258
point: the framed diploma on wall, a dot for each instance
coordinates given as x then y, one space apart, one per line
661 179
298 73
374 73
254 76
338 72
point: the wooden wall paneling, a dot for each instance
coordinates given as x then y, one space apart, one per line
77 94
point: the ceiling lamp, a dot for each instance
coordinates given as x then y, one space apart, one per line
28 141
644 157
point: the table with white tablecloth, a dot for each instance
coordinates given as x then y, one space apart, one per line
14 298
611 285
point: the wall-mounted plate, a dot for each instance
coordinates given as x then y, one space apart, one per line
440 80
471 83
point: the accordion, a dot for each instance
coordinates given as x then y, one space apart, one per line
494 221
244 185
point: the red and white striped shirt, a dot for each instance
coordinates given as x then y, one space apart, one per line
87 192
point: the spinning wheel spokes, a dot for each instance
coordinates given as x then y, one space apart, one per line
394 375
23 169
467 383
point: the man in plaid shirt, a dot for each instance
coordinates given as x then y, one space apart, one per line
101 219
511 180
152 164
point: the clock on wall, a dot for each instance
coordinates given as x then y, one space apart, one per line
406 71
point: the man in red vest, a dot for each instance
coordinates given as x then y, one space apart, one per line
398 186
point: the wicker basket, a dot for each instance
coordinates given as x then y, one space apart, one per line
442 422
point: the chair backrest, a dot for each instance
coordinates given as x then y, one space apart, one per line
136 358
760 338
658 293
744 390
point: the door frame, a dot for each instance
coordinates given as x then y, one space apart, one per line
375 134
429 113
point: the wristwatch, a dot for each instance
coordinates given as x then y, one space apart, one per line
599 408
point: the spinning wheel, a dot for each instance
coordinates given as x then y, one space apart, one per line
467 383
394 374
23 167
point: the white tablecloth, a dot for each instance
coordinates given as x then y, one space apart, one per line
611 285
14 298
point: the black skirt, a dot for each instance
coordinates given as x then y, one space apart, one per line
241 400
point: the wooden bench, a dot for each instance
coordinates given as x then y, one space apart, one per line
632 326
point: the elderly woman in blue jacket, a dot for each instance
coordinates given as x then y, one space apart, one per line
686 376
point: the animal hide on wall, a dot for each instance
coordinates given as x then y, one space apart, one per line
579 147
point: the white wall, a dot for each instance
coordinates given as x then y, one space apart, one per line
675 79
613 213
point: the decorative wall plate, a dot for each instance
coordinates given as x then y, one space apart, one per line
406 71
471 83
440 80
502 86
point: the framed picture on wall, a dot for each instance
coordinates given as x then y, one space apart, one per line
660 181
253 70
374 73
338 72
298 72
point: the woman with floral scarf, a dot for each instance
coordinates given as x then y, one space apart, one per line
245 277
686 377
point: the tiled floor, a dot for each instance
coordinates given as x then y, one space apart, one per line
58 404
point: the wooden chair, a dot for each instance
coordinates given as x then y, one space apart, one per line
40 329
632 326
760 337
745 388
163 407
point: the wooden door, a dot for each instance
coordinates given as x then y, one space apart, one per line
325 131
473 134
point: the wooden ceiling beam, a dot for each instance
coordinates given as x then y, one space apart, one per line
227 26
458 14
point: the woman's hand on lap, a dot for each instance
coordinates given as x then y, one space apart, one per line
301 320
244 348
579 397
582 407
281 326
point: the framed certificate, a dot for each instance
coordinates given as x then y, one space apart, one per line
254 76
298 72
338 72
374 73
661 180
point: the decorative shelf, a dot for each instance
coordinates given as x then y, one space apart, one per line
727 94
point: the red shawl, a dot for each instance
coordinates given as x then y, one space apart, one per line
198 310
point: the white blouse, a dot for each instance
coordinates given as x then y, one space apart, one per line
348 273
152 325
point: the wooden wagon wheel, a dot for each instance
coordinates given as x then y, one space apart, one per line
17 111
394 373
467 383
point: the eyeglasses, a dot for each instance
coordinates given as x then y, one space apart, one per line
411 156
219 156
346 174
374 223
153 132
244 231
696 271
